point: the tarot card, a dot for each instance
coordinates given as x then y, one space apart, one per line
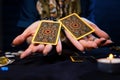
77 59
47 33
5 61
76 26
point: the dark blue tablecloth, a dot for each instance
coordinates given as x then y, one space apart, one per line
55 67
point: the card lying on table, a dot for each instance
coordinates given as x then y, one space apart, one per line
76 26
47 33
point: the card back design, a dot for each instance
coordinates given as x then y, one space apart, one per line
76 26
47 32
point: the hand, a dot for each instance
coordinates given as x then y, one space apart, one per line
90 41
27 34
86 42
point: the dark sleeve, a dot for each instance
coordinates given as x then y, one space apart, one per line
28 13
88 9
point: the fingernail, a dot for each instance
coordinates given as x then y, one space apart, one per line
21 57
59 53
97 47
109 38
12 45
103 41
44 54
83 52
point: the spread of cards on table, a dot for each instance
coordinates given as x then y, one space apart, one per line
48 31
5 61
7 58
76 26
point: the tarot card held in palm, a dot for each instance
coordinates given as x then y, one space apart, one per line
76 26
47 33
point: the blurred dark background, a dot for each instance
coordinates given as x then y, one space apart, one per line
107 16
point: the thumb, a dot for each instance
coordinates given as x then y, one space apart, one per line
18 40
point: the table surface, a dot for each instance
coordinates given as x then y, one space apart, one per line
55 67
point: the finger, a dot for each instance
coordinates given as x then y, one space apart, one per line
83 42
18 40
91 37
100 41
88 44
98 31
32 49
91 44
38 48
74 42
107 42
27 52
47 49
28 32
59 47
29 39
